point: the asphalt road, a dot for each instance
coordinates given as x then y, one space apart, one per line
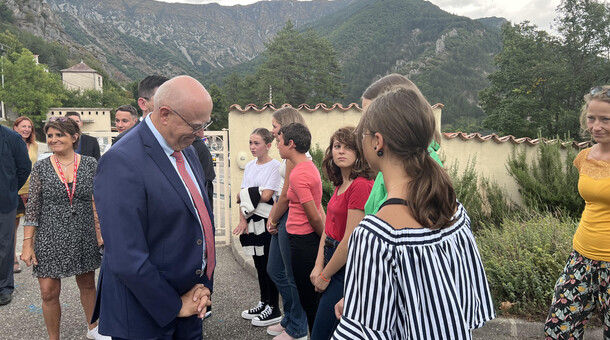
235 290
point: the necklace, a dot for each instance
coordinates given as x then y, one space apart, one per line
63 163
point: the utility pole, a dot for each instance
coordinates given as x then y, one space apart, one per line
3 49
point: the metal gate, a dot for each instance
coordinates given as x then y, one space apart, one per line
218 143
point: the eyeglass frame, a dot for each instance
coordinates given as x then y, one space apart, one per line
196 128
599 89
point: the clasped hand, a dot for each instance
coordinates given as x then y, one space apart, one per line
195 301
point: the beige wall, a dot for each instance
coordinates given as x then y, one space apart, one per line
96 121
82 80
322 123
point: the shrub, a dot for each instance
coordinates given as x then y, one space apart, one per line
486 202
548 184
317 155
524 258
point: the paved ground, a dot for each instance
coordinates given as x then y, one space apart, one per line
235 290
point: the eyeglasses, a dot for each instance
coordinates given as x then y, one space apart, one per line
146 98
196 128
599 89
61 119
364 134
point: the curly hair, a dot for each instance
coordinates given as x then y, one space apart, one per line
345 135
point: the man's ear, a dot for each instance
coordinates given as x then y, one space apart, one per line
164 114
291 144
142 105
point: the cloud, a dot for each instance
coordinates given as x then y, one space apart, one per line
538 12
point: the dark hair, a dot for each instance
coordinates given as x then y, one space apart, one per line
148 85
299 134
264 133
66 126
345 135
405 120
287 115
71 113
601 93
32 137
128 108
391 80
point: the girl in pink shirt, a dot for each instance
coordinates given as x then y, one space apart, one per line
304 225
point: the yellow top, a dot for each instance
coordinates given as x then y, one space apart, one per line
33 153
592 238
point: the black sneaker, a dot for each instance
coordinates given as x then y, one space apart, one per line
254 312
269 316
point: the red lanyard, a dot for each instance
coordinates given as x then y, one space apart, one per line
64 181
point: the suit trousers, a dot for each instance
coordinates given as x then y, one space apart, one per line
7 246
190 328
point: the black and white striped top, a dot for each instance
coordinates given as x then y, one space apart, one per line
414 283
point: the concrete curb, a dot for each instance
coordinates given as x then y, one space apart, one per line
523 329
245 261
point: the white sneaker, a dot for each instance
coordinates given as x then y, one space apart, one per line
276 329
95 335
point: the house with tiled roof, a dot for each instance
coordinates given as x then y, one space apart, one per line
81 77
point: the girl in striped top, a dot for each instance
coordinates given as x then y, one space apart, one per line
413 269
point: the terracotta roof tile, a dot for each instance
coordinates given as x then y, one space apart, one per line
304 107
511 139
80 67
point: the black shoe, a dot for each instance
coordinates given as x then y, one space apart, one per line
208 312
5 299
270 316
254 312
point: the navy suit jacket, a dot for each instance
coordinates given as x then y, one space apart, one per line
89 147
152 238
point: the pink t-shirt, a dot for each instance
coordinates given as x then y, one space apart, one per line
353 198
305 185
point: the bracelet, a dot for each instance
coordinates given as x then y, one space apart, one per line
323 278
28 238
272 222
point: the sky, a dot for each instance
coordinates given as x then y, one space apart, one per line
538 12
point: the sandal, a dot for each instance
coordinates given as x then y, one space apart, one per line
16 267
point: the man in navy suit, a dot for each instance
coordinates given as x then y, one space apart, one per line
156 221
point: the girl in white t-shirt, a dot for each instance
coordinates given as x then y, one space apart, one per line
258 190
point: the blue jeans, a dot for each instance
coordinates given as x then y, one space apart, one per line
280 271
326 321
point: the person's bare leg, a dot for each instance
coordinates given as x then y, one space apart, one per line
51 310
86 285
16 259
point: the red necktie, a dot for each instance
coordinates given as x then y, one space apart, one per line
203 214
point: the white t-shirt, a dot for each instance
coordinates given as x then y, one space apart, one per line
264 176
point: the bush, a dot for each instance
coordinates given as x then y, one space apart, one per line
548 184
317 155
524 258
485 201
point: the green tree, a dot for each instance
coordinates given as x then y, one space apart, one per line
220 112
29 88
300 68
540 81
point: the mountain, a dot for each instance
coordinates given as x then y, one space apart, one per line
447 56
140 37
